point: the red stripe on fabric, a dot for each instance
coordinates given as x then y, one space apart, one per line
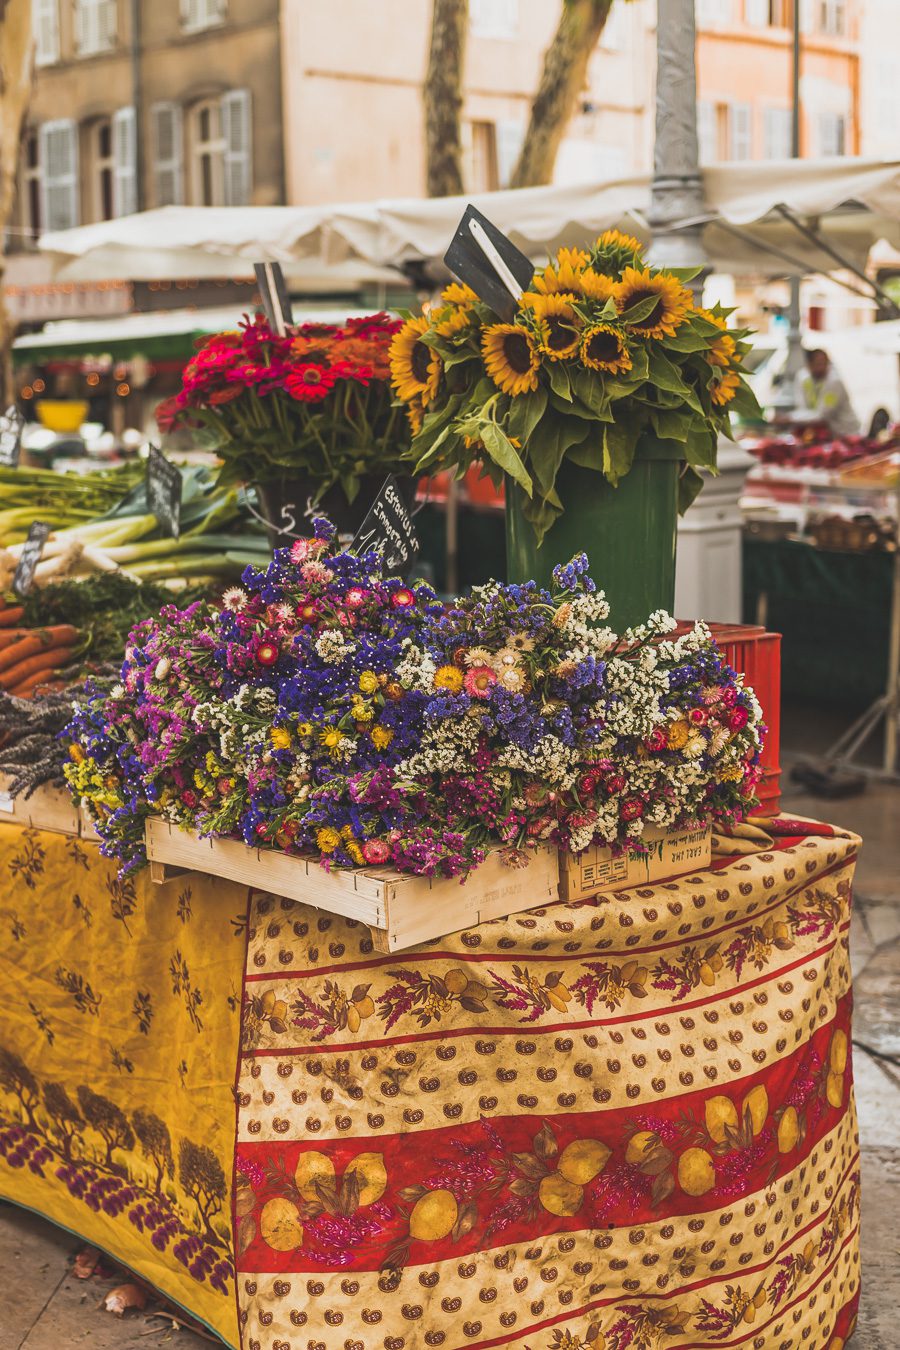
471 958
533 1028
620 1196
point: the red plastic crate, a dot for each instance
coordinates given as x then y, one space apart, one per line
756 654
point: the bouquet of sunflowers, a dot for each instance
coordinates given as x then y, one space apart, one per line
602 351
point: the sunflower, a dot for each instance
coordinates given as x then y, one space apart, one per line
672 301
453 321
415 367
458 294
511 358
723 350
415 414
597 286
604 348
617 250
564 274
558 324
724 387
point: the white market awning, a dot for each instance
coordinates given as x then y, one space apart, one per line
755 216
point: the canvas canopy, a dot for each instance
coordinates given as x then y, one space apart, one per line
779 218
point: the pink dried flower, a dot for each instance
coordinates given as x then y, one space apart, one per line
478 681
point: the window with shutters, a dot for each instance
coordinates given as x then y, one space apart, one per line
96 25
167 141
480 168
104 169
237 136
494 18
124 132
45 18
832 17
756 13
31 184
58 153
740 131
777 133
199 14
509 137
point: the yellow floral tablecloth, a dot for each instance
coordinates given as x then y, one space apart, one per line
119 1024
621 1124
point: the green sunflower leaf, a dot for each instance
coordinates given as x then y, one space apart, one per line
560 383
525 413
642 310
503 452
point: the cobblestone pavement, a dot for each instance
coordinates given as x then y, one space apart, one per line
45 1308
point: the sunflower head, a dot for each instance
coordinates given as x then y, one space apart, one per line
559 327
450 321
415 367
603 347
457 293
614 251
672 301
722 350
563 275
511 357
724 387
597 285
415 414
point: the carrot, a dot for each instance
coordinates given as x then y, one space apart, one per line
38 640
41 680
54 659
11 616
9 635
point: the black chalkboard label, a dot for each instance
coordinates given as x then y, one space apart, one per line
467 259
164 492
388 529
274 295
11 425
29 558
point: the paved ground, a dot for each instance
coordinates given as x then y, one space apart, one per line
45 1308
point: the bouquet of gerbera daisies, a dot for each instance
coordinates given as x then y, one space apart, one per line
315 403
599 341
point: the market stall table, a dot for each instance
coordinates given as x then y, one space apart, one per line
627 1121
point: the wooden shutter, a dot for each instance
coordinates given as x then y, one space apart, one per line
168 165
237 133
45 14
59 182
740 131
124 136
107 25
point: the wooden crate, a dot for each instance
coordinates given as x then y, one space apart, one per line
48 808
88 828
671 854
401 910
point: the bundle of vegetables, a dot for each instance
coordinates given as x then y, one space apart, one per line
62 500
127 535
30 657
31 752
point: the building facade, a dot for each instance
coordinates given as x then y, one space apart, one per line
140 105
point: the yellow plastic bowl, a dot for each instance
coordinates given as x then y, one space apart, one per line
58 414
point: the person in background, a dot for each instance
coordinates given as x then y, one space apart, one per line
820 396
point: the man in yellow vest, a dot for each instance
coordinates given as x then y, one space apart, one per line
820 396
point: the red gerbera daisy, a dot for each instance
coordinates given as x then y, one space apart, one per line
310 383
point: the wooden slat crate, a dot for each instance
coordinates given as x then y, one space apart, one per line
671 854
401 910
48 808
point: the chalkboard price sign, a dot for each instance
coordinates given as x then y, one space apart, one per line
11 424
164 492
29 558
388 529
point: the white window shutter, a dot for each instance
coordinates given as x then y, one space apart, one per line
124 135
81 25
45 17
510 136
756 12
237 133
107 25
59 182
168 164
741 131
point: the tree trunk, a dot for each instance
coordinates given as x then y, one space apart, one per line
443 98
562 82
15 92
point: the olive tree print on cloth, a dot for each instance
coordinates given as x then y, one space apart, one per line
117 1059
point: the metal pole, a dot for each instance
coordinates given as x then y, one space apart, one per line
677 192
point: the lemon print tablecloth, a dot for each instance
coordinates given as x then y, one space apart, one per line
621 1124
